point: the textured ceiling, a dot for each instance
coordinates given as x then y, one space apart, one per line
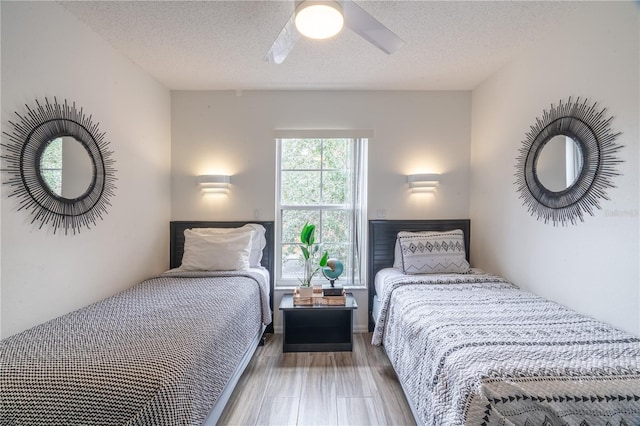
220 45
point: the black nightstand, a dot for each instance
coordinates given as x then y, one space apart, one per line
317 328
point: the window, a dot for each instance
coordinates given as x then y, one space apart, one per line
321 181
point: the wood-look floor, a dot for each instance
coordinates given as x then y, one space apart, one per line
318 388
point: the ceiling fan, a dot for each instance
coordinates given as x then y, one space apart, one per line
324 19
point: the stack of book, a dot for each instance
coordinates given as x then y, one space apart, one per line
318 299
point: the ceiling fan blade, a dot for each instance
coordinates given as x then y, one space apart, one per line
369 28
284 42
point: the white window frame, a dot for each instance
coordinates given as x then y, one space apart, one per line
362 138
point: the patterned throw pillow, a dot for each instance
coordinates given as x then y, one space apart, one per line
433 252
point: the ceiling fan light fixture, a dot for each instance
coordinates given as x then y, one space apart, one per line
319 19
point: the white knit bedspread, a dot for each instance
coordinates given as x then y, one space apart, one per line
473 349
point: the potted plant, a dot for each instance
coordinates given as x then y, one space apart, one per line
310 252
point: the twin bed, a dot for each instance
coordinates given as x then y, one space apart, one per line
470 348
168 351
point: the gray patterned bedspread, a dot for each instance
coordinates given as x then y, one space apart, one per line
159 353
475 350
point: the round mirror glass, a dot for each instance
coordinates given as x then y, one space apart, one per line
66 167
559 163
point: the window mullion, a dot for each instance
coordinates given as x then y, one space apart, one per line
321 175
316 207
333 169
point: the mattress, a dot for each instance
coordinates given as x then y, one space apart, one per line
383 277
159 353
475 349
376 308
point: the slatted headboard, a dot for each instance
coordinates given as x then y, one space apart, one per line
382 240
177 229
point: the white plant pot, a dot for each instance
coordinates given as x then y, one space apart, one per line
305 291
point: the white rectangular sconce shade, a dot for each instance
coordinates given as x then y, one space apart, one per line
214 183
426 182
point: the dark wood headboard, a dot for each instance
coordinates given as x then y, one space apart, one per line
177 229
382 241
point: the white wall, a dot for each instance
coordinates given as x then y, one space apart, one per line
1 153
47 52
592 267
229 132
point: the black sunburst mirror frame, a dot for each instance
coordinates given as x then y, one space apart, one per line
590 130
27 140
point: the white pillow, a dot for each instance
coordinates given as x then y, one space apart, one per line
216 252
258 239
433 252
258 243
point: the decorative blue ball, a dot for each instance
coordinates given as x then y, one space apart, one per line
333 269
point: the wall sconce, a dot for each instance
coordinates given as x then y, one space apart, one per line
423 182
218 184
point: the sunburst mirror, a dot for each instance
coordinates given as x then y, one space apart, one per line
567 162
59 166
